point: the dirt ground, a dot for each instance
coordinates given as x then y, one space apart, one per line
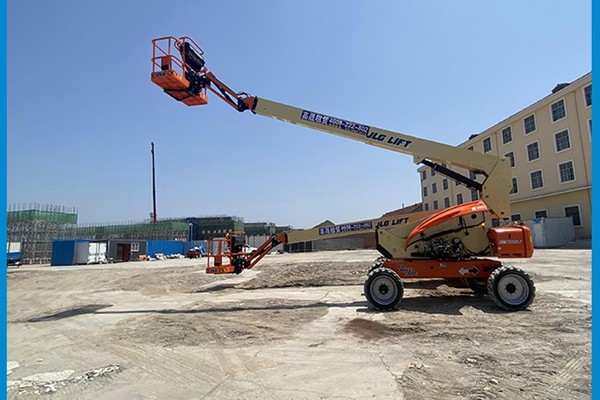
295 327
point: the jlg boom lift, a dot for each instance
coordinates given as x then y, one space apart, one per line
451 243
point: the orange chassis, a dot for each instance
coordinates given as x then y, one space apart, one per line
479 268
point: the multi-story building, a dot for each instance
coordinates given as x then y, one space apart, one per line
549 146
36 226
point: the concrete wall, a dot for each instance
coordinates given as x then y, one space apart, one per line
338 244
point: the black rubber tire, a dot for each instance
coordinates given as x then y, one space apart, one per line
478 286
384 289
378 263
511 288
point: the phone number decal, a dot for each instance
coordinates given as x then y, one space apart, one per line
336 122
345 228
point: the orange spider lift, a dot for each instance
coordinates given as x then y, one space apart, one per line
451 243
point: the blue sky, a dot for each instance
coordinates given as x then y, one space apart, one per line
82 110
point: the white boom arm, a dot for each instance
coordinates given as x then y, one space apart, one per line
494 189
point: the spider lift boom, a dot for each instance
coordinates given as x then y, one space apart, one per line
444 244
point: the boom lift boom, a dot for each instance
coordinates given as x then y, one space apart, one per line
445 244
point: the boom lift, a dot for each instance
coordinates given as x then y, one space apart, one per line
451 243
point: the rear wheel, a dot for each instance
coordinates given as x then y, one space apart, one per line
511 288
378 263
477 285
384 289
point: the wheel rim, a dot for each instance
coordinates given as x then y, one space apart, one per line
513 289
384 290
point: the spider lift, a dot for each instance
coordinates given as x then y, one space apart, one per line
451 243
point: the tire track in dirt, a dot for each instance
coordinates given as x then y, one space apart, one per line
175 367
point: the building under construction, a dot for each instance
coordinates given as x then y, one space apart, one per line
36 226
161 230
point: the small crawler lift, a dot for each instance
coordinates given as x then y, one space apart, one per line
451 243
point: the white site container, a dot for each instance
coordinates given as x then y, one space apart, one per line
97 252
81 253
551 232
13 247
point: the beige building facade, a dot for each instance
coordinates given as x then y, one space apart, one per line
549 145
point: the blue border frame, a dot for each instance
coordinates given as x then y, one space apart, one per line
595 218
3 302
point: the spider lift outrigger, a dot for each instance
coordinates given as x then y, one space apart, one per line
451 243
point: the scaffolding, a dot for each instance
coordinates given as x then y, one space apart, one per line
36 226
215 226
259 228
161 230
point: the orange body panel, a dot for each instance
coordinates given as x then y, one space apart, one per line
199 100
445 215
169 80
176 85
480 268
223 269
514 241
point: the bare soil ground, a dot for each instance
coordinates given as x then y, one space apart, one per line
295 327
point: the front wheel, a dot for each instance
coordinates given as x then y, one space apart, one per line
384 289
477 285
511 288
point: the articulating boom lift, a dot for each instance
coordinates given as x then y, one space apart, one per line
447 244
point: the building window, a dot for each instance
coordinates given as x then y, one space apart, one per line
472 175
562 141
573 211
446 202
459 198
424 191
506 135
541 214
515 186
474 195
434 187
537 180
487 145
435 204
587 93
423 175
533 151
445 184
558 110
529 124
590 128
515 217
426 207
432 172
511 158
566 172
135 246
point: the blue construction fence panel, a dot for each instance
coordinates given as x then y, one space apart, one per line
166 247
63 252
